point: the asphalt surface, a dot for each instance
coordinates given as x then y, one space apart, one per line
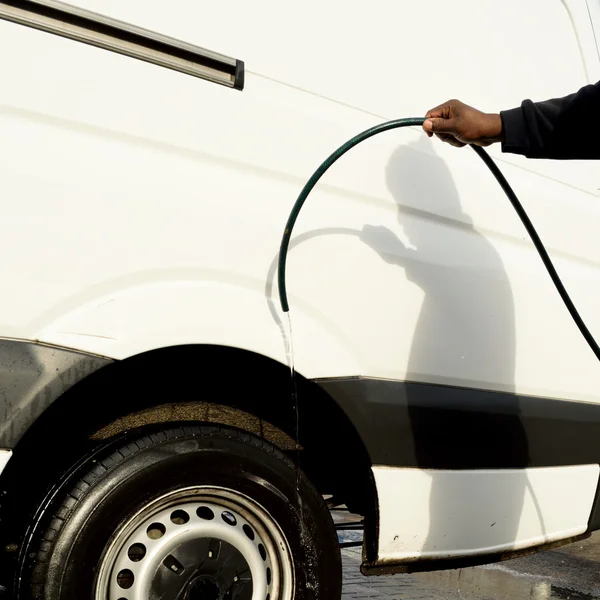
568 573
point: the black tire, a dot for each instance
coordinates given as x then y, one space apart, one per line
63 558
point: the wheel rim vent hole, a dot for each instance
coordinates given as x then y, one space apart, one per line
125 579
136 552
179 517
205 513
263 552
229 518
156 531
249 532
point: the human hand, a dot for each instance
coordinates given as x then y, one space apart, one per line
459 124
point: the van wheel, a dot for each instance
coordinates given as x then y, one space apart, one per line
189 513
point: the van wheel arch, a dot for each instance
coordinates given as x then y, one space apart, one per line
255 400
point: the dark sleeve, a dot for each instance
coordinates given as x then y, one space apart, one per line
562 128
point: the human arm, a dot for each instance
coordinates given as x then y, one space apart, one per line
560 128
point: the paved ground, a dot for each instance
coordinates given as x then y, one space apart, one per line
569 573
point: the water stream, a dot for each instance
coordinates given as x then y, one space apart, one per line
289 343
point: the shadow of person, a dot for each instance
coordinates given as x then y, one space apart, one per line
464 341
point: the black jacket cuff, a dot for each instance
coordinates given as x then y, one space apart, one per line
514 127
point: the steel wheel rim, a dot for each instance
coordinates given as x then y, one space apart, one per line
166 548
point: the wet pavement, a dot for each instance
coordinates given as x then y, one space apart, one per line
568 573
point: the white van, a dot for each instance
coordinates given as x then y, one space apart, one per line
153 444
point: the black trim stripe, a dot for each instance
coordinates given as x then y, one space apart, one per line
96 30
32 377
444 427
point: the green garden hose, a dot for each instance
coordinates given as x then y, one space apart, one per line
418 121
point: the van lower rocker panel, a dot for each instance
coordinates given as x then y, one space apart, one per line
468 476
435 515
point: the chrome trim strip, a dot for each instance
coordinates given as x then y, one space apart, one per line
97 30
